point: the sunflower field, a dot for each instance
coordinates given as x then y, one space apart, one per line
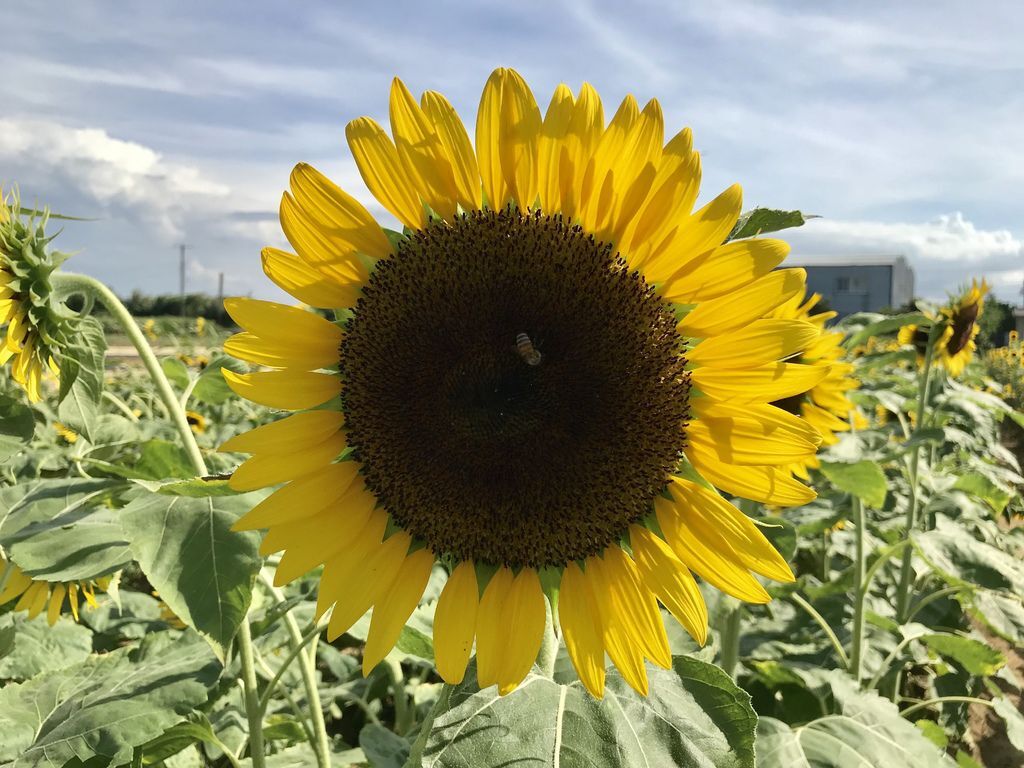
565 470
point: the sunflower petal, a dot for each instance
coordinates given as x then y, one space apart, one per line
289 434
518 136
549 148
376 574
491 629
266 469
769 485
488 152
580 621
422 153
289 390
524 618
724 269
452 134
737 309
394 607
383 172
669 578
296 277
760 343
301 498
455 620
764 384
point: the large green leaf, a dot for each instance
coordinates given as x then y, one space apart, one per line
211 388
383 748
62 530
81 373
961 559
1003 614
16 426
39 647
106 706
760 221
980 486
864 479
202 570
974 656
694 716
866 731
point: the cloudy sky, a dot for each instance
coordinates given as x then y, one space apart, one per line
900 124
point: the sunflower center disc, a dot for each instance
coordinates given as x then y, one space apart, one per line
515 394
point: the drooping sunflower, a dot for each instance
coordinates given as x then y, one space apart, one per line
540 383
955 346
34 596
824 405
196 421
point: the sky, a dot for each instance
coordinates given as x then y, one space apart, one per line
899 124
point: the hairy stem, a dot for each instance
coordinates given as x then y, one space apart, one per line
729 634
253 711
860 594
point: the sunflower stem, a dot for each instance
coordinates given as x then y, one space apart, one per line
253 711
440 704
906 567
859 566
548 644
92 289
732 622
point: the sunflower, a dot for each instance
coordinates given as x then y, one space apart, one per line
36 596
540 383
68 435
955 346
196 421
824 405
35 330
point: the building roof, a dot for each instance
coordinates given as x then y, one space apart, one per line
846 261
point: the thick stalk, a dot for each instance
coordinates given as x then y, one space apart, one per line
860 594
906 567
322 747
416 753
253 710
91 288
729 635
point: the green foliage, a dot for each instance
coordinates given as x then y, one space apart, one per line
864 479
81 377
761 221
17 425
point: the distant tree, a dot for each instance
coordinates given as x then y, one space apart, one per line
996 322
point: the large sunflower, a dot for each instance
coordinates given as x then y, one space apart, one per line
955 346
540 383
35 595
824 405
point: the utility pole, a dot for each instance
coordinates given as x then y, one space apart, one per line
220 288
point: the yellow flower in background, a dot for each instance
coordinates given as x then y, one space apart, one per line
34 596
200 325
511 391
35 328
824 404
149 328
69 435
955 346
196 421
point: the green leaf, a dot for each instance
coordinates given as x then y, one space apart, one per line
961 559
197 488
1014 721
934 732
39 647
105 706
62 530
176 371
864 479
694 715
7 640
926 436
17 426
202 570
760 221
211 388
866 731
974 656
886 326
162 459
415 643
980 486
383 748
81 366
1003 614
177 738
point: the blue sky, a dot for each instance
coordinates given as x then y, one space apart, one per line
899 123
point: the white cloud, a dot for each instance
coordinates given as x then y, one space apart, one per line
944 252
109 172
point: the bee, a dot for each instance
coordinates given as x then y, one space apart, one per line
526 350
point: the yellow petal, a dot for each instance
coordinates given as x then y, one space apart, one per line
394 607
763 384
549 147
310 286
761 342
39 600
637 607
669 578
724 269
345 565
452 132
423 155
598 193
292 433
635 171
280 322
517 140
55 604
31 595
585 129
455 623
769 485
524 618
704 230
376 574
580 621
383 172
491 629
280 354
713 560
739 308
266 469
747 440
712 517
627 656
73 599
289 390
17 583
329 255
341 217
301 498
488 130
